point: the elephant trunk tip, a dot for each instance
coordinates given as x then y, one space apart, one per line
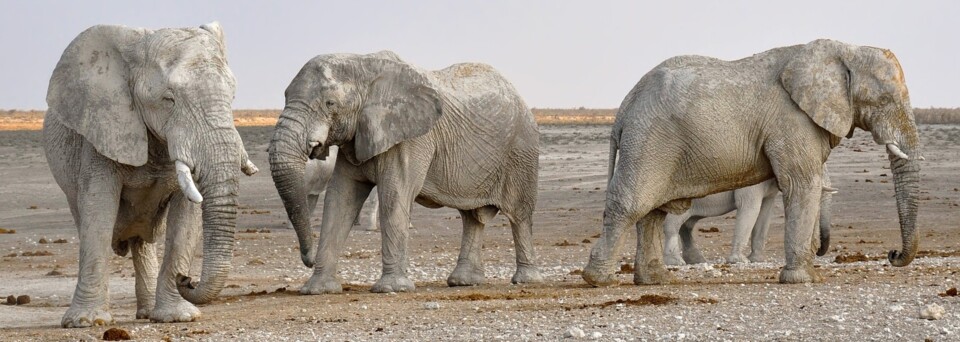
900 259
824 246
193 293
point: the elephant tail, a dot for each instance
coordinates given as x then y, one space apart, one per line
614 148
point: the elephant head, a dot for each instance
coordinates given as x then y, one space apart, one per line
842 87
140 96
363 103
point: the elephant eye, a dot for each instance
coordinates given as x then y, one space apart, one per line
168 99
330 103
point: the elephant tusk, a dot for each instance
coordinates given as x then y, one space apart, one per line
185 179
921 158
830 190
896 151
249 168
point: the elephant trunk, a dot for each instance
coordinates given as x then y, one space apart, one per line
288 158
906 179
824 224
218 178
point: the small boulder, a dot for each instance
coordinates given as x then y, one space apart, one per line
116 334
574 332
431 305
932 312
22 299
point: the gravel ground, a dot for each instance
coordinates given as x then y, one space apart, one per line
861 300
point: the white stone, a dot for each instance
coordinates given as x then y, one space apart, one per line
431 305
895 308
596 335
932 312
574 332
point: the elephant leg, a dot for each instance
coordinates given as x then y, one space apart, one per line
374 212
648 263
395 204
184 227
146 268
527 271
340 209
672 254
98 205
469 270
691 253
748 210
601 269
758 238
312 200
801 201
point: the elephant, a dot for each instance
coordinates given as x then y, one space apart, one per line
460 137
695 126
139 135
317 174
754 206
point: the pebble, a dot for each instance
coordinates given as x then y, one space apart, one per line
431 305
596 335
574 332
22 299
932 312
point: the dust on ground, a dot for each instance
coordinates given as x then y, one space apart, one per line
862 299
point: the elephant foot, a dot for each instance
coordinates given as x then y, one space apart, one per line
805 274
144 312
674 260
393 283
466 275
737 258
693 256
527 275
652 275
756 257
320 284
85 317
176 311
595 277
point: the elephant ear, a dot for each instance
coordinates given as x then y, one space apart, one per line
90 93
402 104
818 81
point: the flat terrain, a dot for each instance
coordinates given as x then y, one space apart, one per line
863 300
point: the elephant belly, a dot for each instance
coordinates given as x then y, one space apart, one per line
143 204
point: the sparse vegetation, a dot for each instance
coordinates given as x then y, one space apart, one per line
15 120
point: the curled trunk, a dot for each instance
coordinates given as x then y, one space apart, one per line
906 179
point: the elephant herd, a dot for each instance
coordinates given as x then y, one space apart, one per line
140 137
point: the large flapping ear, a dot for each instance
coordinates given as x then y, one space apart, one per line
217 31
90 93
402 104
818 81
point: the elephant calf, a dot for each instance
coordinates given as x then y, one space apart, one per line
460 137
754 206
139 136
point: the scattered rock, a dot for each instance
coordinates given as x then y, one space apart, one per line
932 312
849 258
60 241
43 240
116 334
565 243
55 272
709 230
8 231
11 300
255 262
574 332
431 305
951 292
626 269
25 299
36 253
596 335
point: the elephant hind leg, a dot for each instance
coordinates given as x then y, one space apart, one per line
527 270
691 253
648 263
469 270
145 266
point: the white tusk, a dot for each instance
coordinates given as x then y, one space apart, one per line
185 179
830 190
896 151
921 158
314 144
249 168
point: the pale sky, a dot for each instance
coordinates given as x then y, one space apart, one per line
556 53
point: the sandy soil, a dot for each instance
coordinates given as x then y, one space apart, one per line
867 300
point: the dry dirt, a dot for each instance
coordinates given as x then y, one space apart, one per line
860 299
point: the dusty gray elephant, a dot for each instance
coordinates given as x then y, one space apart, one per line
695 126
317 174
460 137
754 206
140 137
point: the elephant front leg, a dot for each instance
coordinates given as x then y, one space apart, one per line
340 208
672 255
98 203
801 209
145 266
469 270
394 219
183 234
648 265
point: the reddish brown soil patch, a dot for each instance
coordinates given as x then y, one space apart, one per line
256 231
565 243
8 231
951 292
116 334
626 269
848 258
36 253
709 230
651 299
